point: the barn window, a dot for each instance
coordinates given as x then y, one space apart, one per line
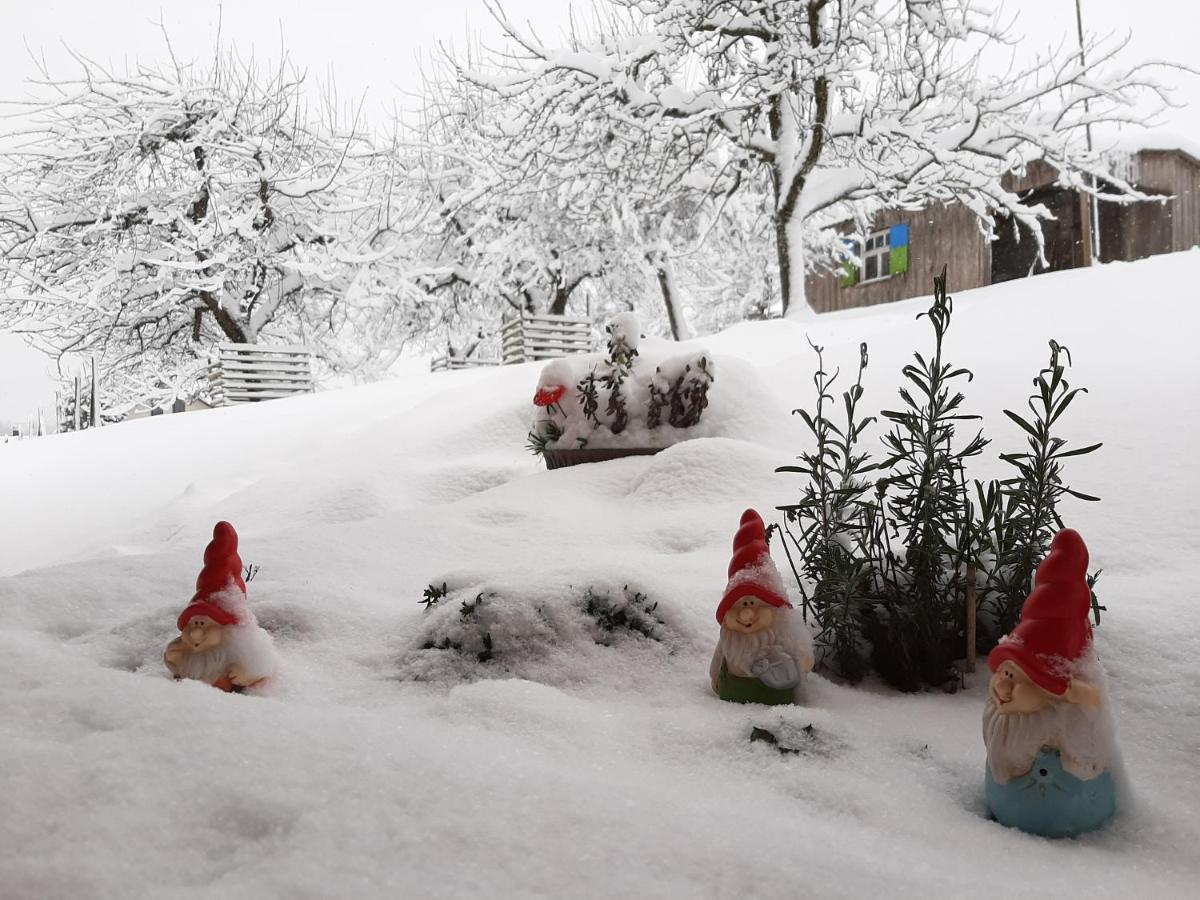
876 257
882 255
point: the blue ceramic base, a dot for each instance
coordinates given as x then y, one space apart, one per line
1050 801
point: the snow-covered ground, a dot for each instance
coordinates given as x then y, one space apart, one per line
605 770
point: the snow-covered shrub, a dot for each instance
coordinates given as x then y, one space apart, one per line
628 612
622 399
883 567
478 632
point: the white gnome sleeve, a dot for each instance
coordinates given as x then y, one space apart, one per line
1084 741
777 668
714 668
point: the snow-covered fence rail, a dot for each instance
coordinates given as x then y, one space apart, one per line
454 363
246 373
531 337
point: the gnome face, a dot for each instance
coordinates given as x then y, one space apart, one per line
749 615
1014 692
201 634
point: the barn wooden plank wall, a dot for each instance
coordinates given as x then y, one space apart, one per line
532 337
942 234
949 234
1177 174
248 373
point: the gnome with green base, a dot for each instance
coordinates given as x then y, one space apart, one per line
764 650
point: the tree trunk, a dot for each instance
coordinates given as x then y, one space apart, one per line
789 248
784 259
665 271
229 326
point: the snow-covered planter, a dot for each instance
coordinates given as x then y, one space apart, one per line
592 408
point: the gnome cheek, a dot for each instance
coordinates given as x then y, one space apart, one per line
1027 698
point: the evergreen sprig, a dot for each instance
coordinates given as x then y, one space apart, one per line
617 409
1019 515
633 612
537 442
916 624
829 522
589 398
433 595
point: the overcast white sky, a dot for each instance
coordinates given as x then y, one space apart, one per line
373 46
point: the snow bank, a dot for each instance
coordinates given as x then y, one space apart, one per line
585 768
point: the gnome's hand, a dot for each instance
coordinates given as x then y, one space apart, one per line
777 669
173 655
238 675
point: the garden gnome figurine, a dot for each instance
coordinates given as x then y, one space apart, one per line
220 641
764 650
1050 751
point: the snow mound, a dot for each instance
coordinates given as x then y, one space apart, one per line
549 636
702 469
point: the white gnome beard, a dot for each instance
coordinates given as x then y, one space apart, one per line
205 665
1014 739
740 651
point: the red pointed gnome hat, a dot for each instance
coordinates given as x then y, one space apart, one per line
752 571
1054 630
222 571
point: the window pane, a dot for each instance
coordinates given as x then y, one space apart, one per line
872 268
884 263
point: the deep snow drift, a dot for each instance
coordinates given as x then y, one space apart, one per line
595 762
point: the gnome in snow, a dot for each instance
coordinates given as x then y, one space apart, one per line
764 649
220 641
1050 751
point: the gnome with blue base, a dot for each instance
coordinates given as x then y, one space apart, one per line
1050 752
765 650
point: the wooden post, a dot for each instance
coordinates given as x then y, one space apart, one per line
75 414
1085 228
93 423
1090 208
970 619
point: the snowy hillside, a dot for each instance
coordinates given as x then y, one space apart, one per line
608 769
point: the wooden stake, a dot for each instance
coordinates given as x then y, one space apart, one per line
970 619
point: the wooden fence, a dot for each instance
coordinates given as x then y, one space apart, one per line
532 337
248 373
454 363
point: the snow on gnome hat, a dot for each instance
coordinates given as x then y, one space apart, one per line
1054 630
752 572
222 571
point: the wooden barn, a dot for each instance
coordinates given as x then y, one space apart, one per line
900 257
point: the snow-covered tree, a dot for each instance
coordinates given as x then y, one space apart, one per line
501 235
845 106
533 211
145 215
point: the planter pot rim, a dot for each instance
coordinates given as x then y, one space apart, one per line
556 459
